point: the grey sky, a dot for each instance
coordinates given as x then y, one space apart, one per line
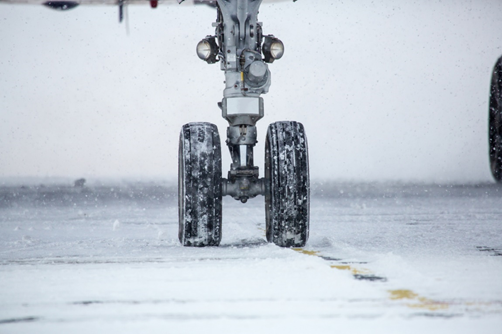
387 90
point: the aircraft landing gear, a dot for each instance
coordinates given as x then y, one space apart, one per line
495 122
199 185
287 184
243 52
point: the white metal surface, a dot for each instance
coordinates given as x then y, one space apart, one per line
243 105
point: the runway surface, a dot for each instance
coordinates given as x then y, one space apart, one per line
381 258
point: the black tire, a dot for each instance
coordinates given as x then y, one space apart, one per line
199 185
495 122
287 195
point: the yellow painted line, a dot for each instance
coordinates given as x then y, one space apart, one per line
306 252
400 294
419 302
354 271
341 267
413 300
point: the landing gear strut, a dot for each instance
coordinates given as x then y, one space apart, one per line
243 52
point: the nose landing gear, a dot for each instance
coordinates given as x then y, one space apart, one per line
243 53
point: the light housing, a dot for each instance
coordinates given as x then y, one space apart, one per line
61 5
207 50
272 48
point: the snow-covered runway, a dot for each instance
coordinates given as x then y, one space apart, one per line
381 258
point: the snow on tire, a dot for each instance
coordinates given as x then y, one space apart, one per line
199 185
287 196
495 122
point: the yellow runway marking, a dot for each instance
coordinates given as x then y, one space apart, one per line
341 267
306 252
401 294
421 302
354 271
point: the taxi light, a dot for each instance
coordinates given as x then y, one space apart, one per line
273 49
207 50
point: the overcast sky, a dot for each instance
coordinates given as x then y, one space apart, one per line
387 90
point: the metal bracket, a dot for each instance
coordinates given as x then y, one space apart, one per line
242 185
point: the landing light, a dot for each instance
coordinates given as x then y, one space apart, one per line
273 49
208 50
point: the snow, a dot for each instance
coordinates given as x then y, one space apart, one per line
427 258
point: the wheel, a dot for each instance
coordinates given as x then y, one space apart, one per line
199 185
287 185
495 122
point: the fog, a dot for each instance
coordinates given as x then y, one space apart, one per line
387 90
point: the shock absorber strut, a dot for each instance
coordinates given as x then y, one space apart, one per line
239 50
